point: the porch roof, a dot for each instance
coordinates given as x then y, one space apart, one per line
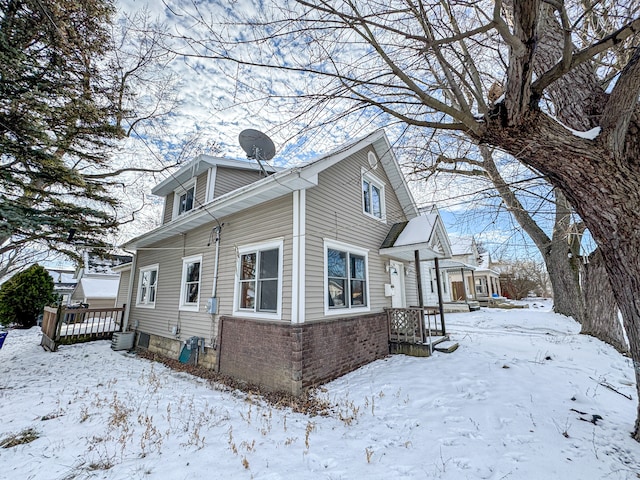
425 234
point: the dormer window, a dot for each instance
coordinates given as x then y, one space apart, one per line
373 196
185 202
184 199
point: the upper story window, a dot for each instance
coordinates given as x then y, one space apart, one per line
346 277
190 284
259 280
184 199
373 196
147 286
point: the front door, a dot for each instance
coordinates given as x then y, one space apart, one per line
396 272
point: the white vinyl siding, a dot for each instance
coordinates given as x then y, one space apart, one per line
269 220
123 288
167 215
229 179
334 211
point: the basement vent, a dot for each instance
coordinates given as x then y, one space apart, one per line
122 340
143 340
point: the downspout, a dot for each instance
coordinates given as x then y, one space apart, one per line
214 289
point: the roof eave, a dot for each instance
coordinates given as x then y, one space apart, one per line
266 189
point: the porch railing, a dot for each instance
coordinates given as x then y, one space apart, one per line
413 324
73 325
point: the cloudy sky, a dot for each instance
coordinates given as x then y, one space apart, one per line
218 100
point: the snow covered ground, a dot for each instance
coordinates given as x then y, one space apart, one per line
505 405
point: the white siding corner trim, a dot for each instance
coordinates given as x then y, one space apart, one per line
298 267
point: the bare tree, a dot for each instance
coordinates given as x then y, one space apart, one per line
381 56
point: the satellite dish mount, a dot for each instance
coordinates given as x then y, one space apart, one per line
257 146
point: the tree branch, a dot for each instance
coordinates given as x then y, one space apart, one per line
622 104
584 55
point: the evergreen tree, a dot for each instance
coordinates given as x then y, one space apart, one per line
58 118
24 295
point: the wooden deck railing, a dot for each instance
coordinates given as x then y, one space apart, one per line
72 325
413 325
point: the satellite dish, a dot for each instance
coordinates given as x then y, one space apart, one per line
256 144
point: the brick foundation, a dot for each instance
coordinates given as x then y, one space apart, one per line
291 358
338 346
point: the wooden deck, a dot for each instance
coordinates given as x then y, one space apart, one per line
66 325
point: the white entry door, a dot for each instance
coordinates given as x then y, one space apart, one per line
396 273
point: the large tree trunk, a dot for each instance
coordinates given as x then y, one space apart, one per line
561 267
565 280
601 305
604 189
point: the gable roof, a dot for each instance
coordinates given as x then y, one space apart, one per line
425 234
281 183
462 245
99 287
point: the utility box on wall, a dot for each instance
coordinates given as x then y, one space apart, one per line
212 305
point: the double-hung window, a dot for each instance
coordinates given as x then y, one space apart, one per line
259 280
373 196
190 284
346 278
147 286
184 199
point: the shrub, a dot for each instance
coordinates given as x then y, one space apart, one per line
23 296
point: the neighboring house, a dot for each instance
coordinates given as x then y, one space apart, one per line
97 281
283 278
97 290
64 283
469 272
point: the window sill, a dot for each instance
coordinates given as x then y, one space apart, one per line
345 311
146 305
189 308
259 315
382 219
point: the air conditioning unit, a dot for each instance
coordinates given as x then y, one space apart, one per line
123 340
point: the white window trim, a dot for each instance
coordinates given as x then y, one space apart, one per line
189 307
141 271
371 178
237 311
181 190
345 247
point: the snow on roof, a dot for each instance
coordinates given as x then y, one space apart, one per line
104 287
417 230
461 245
